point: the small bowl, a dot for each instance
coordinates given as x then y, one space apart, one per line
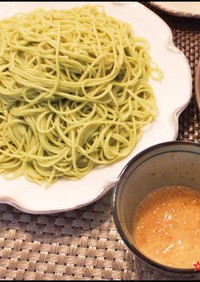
168 163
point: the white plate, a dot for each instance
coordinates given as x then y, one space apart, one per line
183 9
173 94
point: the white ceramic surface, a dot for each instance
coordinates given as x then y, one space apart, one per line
183 9
173 94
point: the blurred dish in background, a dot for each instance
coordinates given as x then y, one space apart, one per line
197 84
183 9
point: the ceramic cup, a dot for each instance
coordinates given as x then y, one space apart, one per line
168 163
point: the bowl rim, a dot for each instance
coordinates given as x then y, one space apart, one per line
116 217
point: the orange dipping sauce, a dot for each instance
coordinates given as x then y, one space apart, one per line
166 226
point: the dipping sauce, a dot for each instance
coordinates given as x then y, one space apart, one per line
166 226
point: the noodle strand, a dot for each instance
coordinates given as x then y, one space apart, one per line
74 92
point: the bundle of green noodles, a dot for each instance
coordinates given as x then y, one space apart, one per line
74 92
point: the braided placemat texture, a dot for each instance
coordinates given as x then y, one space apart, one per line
83 244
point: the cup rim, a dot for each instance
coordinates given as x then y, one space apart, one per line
116 217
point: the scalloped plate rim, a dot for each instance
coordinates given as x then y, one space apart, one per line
116 8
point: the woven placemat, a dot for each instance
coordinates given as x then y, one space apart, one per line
83 244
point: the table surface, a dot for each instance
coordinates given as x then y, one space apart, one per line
84 244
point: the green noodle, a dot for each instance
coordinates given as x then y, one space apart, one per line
74 92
